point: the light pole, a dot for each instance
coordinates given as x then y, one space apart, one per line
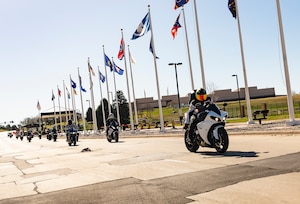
238 89
179 105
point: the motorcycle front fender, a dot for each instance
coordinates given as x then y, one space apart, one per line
215 131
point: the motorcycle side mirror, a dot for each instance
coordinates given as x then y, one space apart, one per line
225 104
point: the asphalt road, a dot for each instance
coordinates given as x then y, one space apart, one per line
261 169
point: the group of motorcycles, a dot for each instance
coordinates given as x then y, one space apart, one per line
21 135
50 135
206 129
72 135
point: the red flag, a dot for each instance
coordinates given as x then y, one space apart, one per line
38 106
121 51
175 27
91 69
59 92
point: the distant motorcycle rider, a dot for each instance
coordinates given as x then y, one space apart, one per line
198 97
70 127
111 120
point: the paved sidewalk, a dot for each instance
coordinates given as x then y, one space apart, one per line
61 172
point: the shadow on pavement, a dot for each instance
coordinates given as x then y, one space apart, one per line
231 154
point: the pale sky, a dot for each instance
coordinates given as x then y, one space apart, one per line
43 42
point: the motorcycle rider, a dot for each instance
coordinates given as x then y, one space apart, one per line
70 127
111 120
54 131
197 97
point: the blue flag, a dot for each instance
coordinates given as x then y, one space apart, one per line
108 62
102 77
179 3
118 69
151 49
232 8
73 84
82 89
142 28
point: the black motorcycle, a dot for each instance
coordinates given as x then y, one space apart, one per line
49 135
29 136
112 132
72 136
54 134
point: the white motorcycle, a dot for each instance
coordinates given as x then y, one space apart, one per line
207 129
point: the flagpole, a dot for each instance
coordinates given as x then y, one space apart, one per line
69 109
247 95
286 70
73 102
65 101
188 50
58 98
128 90
82 109
53 99
162 129
102 102
116 95
134 100
93 101
199 46
39 113
107 89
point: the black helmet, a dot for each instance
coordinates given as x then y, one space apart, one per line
70 122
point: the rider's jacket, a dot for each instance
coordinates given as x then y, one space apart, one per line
71 127
112 122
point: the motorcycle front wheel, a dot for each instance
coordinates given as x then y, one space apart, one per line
190 143
116 137
221 145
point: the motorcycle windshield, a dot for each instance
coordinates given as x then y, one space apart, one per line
214 108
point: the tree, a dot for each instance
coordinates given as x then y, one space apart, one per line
28 121
89 116
99 113
123 107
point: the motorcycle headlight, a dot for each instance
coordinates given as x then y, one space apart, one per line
215 118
